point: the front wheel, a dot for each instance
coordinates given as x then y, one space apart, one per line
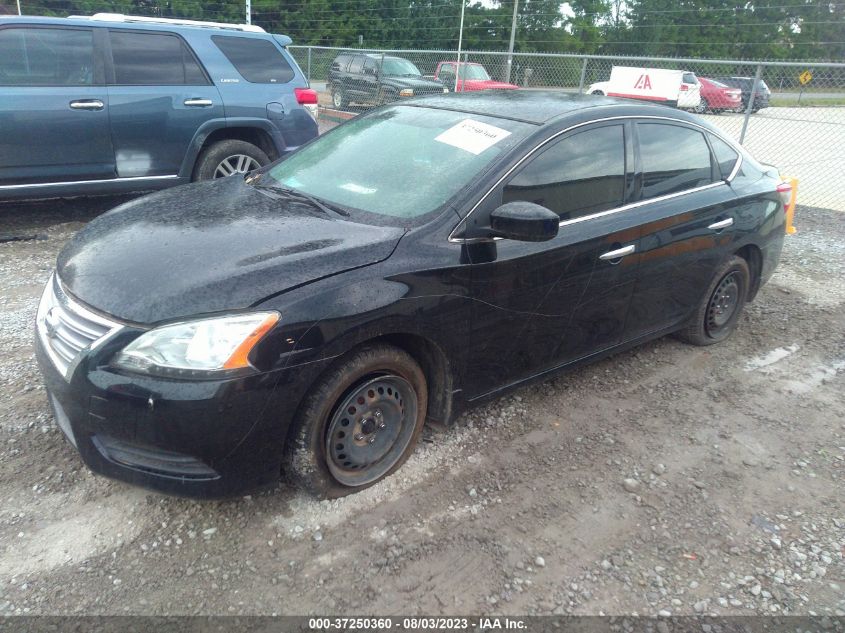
359 423
717 315
597 92
339 100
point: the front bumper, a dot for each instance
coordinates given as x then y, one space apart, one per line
200 439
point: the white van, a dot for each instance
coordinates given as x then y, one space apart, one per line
678 88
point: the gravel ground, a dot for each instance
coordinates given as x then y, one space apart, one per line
668 479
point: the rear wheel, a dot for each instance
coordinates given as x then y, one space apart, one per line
359 423
717 315
597 92
702 106
229 157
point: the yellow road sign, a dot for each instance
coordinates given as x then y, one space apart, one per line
805 77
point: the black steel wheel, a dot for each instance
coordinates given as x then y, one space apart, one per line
718 312
723 304
358 424
371 429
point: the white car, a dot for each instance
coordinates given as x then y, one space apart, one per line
678 88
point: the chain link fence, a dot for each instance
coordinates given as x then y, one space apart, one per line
793 117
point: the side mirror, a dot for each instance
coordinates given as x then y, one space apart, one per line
524 221
370 71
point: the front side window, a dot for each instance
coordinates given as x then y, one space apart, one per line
674 159
402 162
46 57
579 175
153 59
258 61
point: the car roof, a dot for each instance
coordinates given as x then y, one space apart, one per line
542 106
146 26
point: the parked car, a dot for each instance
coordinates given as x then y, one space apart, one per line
473 77
676 88
324 309
370 79
761 99
716 97
114 103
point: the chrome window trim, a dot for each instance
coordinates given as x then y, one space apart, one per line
631 205
85 182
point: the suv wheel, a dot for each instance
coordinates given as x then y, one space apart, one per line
702 106
226 158
339 99
358 424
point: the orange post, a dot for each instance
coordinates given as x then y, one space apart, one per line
790 208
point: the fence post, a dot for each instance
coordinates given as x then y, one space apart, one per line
308 66
750 102
583 76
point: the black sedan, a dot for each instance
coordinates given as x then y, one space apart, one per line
306 320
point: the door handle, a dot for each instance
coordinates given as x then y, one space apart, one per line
198 103
721 224
87 104
619 253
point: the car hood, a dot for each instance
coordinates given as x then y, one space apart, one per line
412 82
210 247
487 84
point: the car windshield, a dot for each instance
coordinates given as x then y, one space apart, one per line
401 162
473 72
396 66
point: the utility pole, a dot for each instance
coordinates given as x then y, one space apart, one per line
460 42
510 46
248 11
19 7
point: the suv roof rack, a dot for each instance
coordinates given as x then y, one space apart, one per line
120 17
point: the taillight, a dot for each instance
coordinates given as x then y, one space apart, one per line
784 190
307 98
684 87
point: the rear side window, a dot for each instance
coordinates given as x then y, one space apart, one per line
674 159
356 65
340 62
46 57
153 59
690 78
258 61
726 155
579 175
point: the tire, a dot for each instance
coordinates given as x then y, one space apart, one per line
232 153
352 429
597 92
702 106
711 322
339 100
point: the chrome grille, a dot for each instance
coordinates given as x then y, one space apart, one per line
66 328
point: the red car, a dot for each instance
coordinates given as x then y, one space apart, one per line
717 97
473 77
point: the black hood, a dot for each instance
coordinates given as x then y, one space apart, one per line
417 83
209 247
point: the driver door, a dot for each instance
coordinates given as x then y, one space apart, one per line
539 306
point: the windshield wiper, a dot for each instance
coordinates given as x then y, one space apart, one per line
300 196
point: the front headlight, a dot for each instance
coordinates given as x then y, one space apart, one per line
406 92
195 348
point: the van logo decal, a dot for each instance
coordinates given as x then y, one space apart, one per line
643 83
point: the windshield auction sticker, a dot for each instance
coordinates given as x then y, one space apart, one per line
472 136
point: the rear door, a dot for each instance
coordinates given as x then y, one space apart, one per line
54 124
538 306
159 96
354 78
688 214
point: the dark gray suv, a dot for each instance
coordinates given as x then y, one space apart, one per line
113 103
